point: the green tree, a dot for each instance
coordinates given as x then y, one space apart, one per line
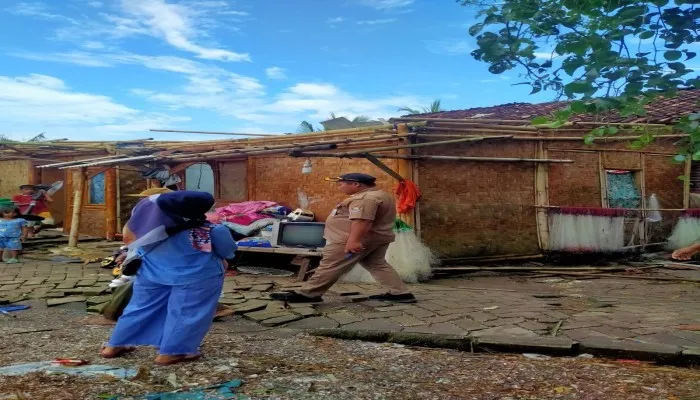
434 107
602 54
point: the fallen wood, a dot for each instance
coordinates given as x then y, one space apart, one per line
556 328
650 278
681 265
543 269
32 331
492 259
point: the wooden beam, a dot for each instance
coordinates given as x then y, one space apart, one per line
111 201
429 157
216 133
686 182
541 197
384 167
405 169
78 188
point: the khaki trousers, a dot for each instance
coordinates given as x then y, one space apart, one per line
335 264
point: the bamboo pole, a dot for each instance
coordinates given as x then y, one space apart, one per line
686 182
429 157
603 182
519 121
412 146
216 133
405 169
470 124
117 161
626 209
485 130
65 163
119 198
604 150
541 197
79 188
110 203
427 133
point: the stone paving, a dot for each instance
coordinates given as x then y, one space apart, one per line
627 310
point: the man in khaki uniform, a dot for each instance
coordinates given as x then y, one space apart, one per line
360 229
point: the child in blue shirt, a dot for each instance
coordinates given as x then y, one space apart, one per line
12 232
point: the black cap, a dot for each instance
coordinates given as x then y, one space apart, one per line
355 177
27 186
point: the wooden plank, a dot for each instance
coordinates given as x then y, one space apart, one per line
79 188
282 250
541 198
111 201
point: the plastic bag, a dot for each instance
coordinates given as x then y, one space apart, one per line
120 298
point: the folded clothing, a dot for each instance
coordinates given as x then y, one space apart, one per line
249 230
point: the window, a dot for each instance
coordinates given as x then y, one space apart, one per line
200 177
622 189
96 189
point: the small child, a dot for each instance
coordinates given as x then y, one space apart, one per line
12 232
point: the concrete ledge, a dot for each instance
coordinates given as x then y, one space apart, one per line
602 347
691 356
526 344
627 349
346 334
462 343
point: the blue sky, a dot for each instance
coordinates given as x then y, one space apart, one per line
113 69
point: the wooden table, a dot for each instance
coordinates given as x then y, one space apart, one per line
305 255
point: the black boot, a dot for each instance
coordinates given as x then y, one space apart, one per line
396 298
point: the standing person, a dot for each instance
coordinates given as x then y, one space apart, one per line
41 208
360 229
12 232
178 285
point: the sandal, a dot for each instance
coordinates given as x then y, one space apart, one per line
172 360
115 352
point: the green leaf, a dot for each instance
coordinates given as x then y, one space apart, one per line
677 66
696 156
589 139
684 178
673 55
690 55
611 130
577 87
475 29
579 107
540 121
647 35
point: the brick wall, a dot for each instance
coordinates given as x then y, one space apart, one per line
280 179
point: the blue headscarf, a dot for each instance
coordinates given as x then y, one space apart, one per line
157 217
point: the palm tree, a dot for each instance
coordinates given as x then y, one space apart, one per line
434 107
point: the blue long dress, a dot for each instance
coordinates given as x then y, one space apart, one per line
175 294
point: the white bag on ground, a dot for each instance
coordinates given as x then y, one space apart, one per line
409 256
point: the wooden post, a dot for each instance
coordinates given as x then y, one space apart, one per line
34 174
111 201
541 197
79 188
405 169
250 172
603 182
686 183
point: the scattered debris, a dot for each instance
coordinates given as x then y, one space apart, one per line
490 308
533 356
53 368
226 390
264 271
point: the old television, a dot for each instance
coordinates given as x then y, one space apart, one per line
298 234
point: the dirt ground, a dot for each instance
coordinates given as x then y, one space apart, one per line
284 364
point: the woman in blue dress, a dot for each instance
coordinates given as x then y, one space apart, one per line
177 288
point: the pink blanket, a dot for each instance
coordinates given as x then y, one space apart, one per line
242 213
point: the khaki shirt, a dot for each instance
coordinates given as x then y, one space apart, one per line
372 205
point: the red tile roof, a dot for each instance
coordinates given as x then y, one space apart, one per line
664 110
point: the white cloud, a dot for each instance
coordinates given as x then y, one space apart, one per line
377 21
500 78
174 24
93 45
546 56
276 73
448 47
314 89
95 4
387 4
335 20
37 103
38 10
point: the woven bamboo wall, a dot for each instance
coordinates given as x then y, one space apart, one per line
478 208
12 174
